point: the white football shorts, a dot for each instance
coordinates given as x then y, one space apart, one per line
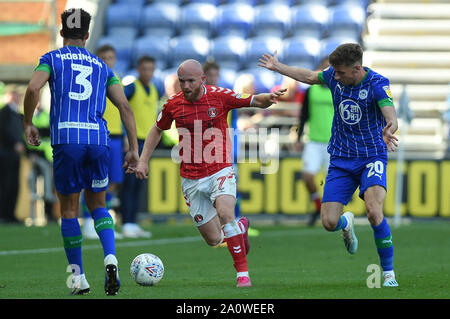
315 156
200 194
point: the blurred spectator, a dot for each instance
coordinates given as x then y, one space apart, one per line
41 158
143 98
317 112
246 84
12 146
212 71
115 172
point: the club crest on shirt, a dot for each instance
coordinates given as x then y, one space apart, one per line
362 94
212 112
350 112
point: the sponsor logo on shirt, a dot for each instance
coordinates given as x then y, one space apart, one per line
350 112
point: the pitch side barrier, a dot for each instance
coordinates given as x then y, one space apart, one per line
426 190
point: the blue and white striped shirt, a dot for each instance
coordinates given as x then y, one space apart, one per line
78 83
358 123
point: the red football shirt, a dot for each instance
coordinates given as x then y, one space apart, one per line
205 143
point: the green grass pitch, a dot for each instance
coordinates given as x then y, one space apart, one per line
288 262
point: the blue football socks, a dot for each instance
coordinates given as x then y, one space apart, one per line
104 226
71 233
385 247
342 223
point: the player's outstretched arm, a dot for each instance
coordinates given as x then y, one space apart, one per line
30 102
391 127
264 100
271 62
117 97
151 141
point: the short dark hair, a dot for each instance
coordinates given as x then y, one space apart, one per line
75 23
105 48
210 65
145 58
346 54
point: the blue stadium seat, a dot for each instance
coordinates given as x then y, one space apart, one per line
154 46
123 15
271 20
265 79
325 3
249 2
346 20
197 18
123 46
175 2
258 46
228 51
234 19
213 2
160 19
132 2
189 47
126 32
121 67
278 2
301 52
309 20
227 77
362 3
329 44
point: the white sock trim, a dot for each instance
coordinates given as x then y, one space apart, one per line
242 274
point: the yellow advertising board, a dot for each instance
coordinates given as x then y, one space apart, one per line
426 190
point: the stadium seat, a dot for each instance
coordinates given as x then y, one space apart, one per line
234 19
228 51
213 2
160 19
123 46
257 46
362 3
301 52
227 77
197 18
309 20
189 47
278 2
175 2
132 2
249 2
329 44
126 32
325 3
121 67
154 46
346 20
265 79
123 15
271 20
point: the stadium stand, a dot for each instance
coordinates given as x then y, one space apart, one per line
272 19
309 20
197 18
160 19
409 43
401 40
229 51
234 19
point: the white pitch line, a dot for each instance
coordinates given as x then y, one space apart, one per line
164 241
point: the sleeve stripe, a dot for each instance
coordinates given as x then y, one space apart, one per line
385 102
113 80
44 67
321 79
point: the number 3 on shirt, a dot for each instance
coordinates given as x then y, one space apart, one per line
82 80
